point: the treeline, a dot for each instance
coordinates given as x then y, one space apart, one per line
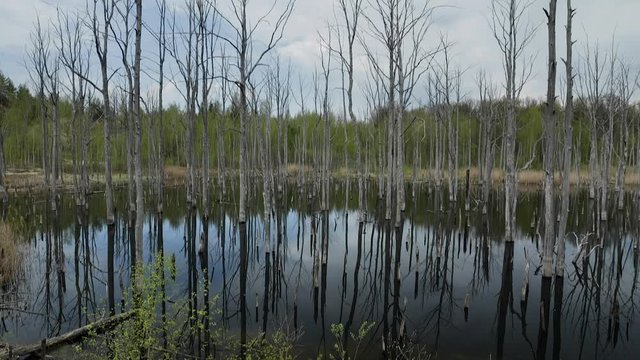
24 147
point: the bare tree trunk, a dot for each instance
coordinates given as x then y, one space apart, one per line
52 73
162 48
608 143
266 177
193 67
326 68
122 34
351 14
137 150
511 175
72 57
391 123
487 150
101 38
550 144
220 128
205 51
506 26
247 64
568 142
38 57
625 93
593 155
624 154
399 141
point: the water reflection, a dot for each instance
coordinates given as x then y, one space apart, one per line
444 282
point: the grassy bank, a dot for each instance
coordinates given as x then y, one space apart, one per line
33 179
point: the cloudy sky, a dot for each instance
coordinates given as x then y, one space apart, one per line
464 22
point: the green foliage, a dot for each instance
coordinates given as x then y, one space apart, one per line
340 347
7 91
144 334
20 116
141 335
278 346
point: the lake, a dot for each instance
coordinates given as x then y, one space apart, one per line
445 282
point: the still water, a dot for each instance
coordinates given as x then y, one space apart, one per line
445 281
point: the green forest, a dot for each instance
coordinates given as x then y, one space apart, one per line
22 133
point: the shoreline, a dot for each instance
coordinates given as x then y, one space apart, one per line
27 180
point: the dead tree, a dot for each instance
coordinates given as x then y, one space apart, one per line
224 89
550 146
413 59
325 59
435 102
487 116
100 32
184 50
137 148
122 32
385 12
405 27
281 96
445 87
206 20
100 25
241 43
39 56
611 108
568 143
46 63
512 35
72 56
159 125
267 174
374 99
591 88
350 16
625 91
52 86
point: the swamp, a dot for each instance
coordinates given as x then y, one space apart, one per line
334 179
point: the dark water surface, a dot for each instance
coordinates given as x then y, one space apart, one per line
454 290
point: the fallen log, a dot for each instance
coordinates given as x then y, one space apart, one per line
71 337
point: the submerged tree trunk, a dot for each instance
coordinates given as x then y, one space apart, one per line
54 99
550 143
568 142
102 52
101 37
326 154
205 52
242 216
159 166
137 149
399 142
625 93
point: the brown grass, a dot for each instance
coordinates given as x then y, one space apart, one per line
175 172
10 257
20 181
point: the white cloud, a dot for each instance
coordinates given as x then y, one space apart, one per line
465 22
